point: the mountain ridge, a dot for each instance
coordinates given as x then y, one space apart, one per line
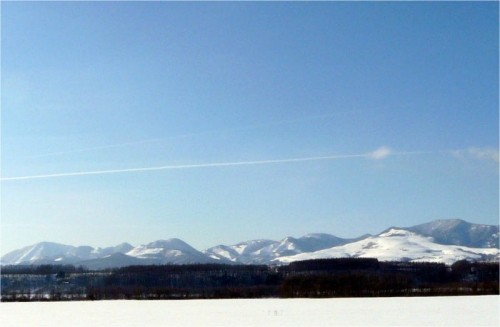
433 239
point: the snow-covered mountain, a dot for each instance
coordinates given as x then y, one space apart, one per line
399 245
173 251
441 240
50 253
249 252
45 252
265 251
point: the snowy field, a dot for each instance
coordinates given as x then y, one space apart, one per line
415 311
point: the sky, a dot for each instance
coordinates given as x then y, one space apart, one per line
223 122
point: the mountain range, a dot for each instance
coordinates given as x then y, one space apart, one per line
444 241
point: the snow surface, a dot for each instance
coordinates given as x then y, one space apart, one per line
405 311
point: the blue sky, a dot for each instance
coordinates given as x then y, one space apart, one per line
113 86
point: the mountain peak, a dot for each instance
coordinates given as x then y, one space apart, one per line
171 244
317 235
396 232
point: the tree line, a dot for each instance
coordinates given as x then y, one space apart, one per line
345 277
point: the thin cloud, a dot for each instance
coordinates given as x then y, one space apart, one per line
381 153
487 153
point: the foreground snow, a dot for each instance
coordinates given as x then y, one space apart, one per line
415 311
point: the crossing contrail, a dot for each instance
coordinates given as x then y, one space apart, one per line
376 155
93 148
194 134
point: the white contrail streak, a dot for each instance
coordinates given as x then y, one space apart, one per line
172 167
203 165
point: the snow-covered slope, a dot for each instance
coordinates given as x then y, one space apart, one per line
309 243
399 245
172 250
244 252
265 251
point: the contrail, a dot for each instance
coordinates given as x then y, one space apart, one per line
186 135
373 155
101 147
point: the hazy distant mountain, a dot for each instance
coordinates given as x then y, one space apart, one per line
51 253
116 260
46 252
459 232
120 248
440 240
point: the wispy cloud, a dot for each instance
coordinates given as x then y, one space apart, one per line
487 153
380 153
